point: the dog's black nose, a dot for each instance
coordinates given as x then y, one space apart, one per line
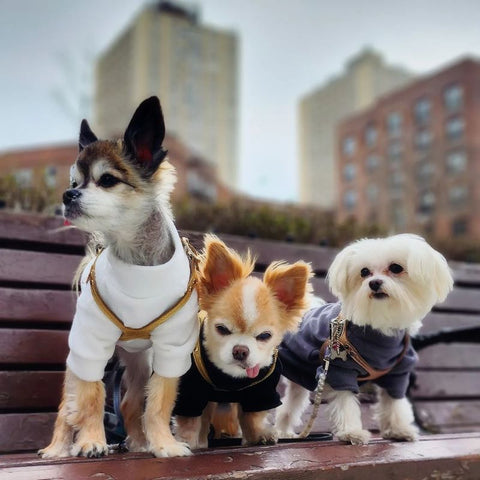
70 195
240 352
375 285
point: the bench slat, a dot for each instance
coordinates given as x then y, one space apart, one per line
30 390
38 228
19 346
436 321
36 305
450 384
25 431
445 456
37 267
465 355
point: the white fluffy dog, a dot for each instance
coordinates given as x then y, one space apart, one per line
385 287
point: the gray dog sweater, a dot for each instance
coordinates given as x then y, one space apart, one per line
301 357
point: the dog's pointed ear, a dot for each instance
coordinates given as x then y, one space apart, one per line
86 136
144 136
290 284
221 265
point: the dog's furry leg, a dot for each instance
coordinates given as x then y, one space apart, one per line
62 439
188 430
137 372
395 418
161 395
346 418
254 428
289 414
81 411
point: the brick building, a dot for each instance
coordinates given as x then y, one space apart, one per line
49 168
411 162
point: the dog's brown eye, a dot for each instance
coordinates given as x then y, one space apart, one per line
223 330
107 180
395 268
364 272
264 336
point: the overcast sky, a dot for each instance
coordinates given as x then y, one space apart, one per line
288 48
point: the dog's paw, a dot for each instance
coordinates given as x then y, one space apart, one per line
407 433
355 437
90 449
54 451
134 445
171 449
264 437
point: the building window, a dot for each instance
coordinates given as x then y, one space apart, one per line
397 179
454 128
456 161
371 136
459 227
395 150
427 202
350 199
349 172
458 196
425 172
423 139
349 145
24 177
399 218
50 175
453 98
373 162
422 112
394 124
372 193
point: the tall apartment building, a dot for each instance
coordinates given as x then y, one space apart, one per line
366 78
412 161
194 71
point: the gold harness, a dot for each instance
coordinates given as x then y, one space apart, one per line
144 332
199 363
344 344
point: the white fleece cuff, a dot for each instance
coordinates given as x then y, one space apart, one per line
86 369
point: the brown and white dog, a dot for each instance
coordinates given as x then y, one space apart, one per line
236 357
120 192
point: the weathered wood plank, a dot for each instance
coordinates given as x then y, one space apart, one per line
443 416
36 305
461 356
436 321
38 228
23 346
450 456
22 390
37 267
25 431
450 384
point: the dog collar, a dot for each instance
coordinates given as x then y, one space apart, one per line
198 359
129 333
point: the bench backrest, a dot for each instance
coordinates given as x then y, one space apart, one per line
37 304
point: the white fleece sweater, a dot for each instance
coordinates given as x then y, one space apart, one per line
137 295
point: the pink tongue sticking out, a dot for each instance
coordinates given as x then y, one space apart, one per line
66 223
252 372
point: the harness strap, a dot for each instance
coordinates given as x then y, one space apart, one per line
144 332
372 373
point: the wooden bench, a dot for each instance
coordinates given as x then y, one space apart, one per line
36 307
